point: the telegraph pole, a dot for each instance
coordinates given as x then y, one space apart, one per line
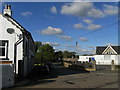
76 47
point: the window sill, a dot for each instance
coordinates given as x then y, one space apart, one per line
6 62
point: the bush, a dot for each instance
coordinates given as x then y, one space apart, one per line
117 66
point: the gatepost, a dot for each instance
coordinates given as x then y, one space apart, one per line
112 65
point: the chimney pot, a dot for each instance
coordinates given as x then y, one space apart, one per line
5 6
7 10
9 7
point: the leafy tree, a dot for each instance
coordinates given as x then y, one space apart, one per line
37 45
38 58
45 53
58 55
67 54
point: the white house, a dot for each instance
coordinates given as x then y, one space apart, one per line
84 58
105 55
16 44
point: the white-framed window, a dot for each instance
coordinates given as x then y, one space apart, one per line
109 53
3 48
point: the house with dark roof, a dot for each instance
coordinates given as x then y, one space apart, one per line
104 55
16 44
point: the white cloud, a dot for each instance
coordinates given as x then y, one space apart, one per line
78 26
60 49
77 9
65 37
91 46
53 10
93 27
96 13
82 9
83 39
27 13
52 44
87 21
51 31
86 51
71 46
110 10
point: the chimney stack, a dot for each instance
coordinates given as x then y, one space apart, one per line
7 10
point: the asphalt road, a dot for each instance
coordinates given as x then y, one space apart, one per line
63 77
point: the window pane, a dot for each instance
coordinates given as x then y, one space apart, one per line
2 44
2 51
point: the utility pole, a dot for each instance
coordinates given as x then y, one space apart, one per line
76 47
76 52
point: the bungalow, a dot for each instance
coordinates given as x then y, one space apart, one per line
16 44
105 55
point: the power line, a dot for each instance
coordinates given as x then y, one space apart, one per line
107 26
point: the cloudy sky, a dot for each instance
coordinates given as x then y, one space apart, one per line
61 24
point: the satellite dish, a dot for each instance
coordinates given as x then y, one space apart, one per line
10 30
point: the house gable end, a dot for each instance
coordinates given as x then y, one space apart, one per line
109 50
14 22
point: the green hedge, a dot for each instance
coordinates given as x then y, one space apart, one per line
117 66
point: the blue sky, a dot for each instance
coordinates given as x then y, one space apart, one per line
62 24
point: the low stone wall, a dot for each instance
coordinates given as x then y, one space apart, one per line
6 75
88 66
106 67
67 64
70 59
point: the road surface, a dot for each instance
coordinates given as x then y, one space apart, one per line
66 78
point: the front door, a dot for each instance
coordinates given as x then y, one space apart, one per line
20 68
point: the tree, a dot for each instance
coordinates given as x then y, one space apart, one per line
58 55
37 45
45 53
67 54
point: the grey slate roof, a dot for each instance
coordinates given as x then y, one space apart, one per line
100 49
116 48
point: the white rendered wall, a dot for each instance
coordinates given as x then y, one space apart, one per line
84 58
12 39
100 60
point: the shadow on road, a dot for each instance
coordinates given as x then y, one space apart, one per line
41 78
61 70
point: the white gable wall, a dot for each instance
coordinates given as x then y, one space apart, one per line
26 61
109 50
12 39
